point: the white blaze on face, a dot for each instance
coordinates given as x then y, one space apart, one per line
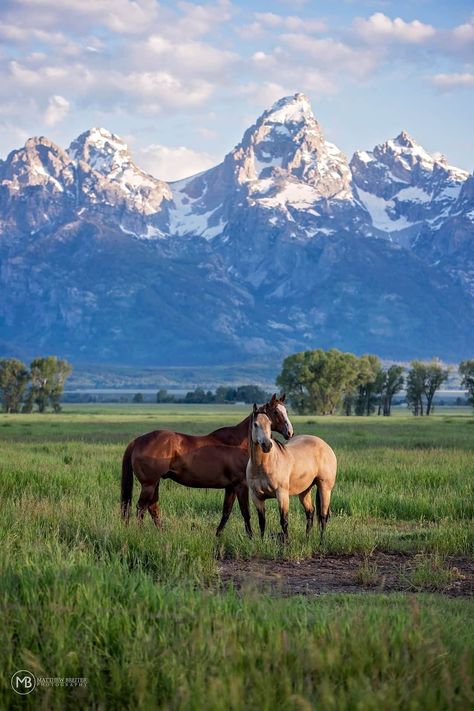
282 410
260 435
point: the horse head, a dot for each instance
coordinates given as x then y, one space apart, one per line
276 412
261 429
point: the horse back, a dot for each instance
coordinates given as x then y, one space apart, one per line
167 443
312 455
192 460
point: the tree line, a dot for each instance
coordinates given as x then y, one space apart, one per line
40 385
316 381
326 382
223 394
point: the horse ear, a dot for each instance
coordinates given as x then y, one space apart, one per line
272 401
282 397
255 409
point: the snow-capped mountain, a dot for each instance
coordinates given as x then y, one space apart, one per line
283 167
401 185
108 175
282 246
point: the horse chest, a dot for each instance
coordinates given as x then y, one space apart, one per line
261 485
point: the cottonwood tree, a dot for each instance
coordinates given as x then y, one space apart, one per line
423 380
466 370
435 376
295 378
48 376
392 384
164 396
14 377
315 381
369 384
415 387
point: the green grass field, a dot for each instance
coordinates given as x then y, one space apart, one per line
142 615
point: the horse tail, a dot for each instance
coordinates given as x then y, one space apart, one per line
127 481
318 502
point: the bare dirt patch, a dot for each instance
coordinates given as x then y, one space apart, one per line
379 572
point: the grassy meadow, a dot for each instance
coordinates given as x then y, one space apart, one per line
142 614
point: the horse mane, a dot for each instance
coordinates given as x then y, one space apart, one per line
280 444
232 434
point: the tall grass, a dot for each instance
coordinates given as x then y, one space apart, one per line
139 612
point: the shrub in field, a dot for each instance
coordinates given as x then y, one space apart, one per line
430 573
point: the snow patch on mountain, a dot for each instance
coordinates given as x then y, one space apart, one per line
190 214
381 212
401 185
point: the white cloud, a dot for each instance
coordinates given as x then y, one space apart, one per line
57 110
380 28
161 89
150 61
296 72
264 94
201 19
269 22
458 42
333 55
147 91
205 132
173 163
120 16
453 81
187 56
292 23
464 33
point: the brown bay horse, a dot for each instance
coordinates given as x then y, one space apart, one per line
215 461
278 471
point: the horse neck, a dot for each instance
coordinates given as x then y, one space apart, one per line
235 435
260 460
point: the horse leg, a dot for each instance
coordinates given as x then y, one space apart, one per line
146 498
243 499
229 498
154 507
324 496
260 506
283 499
307 503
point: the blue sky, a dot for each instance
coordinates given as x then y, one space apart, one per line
180 81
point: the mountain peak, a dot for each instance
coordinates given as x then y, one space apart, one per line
36 141
99 136
101 149
404 139
290 109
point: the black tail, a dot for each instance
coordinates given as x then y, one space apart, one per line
127 481
322 518
318 503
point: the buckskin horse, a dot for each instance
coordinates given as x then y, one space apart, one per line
278 471
215 461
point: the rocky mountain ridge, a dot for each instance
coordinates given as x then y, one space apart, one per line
282 246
